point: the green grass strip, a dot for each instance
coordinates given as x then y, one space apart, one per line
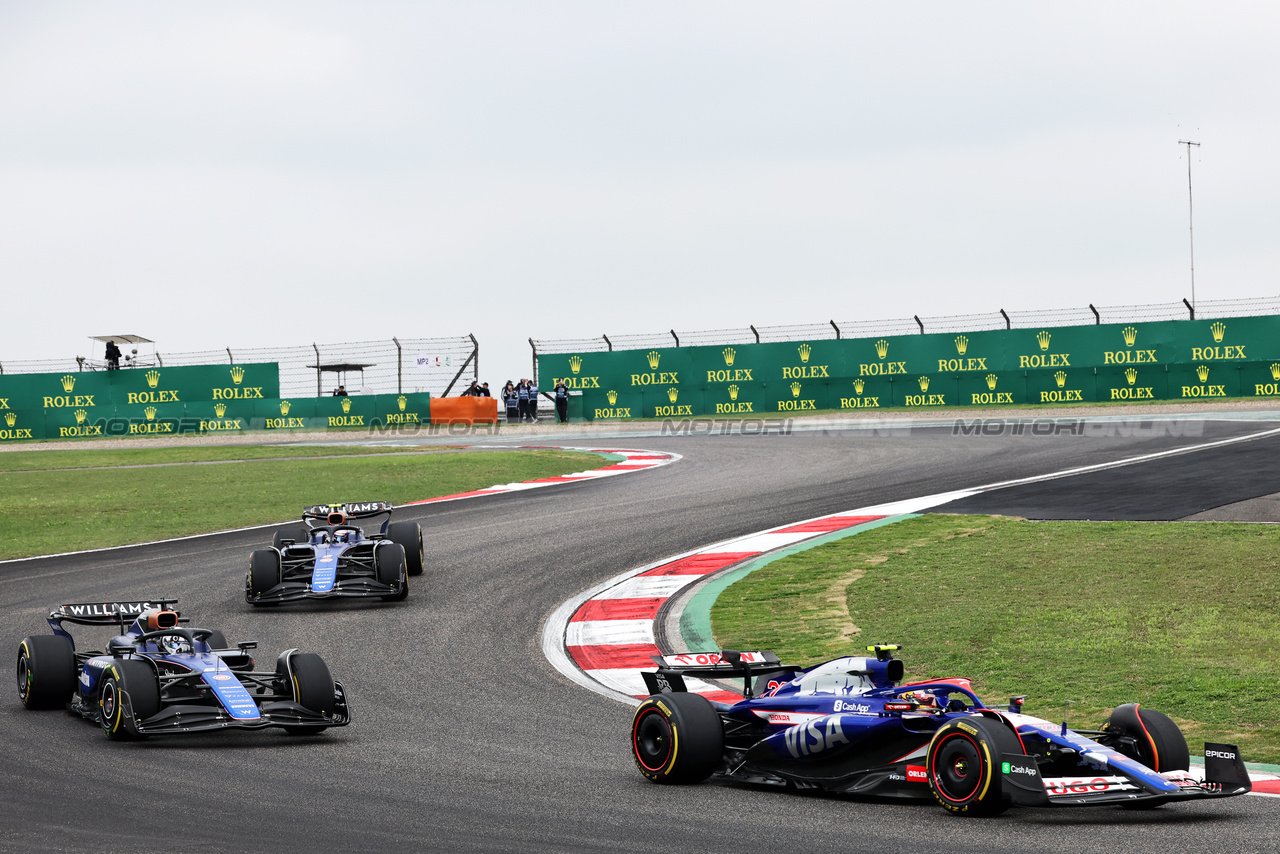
695 620
60 510
69 459
1182 617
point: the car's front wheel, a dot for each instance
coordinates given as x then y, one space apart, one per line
307 677
138 681
676 738
264 573
1149 737
389 561
963 765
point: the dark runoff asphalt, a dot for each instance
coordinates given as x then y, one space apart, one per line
465 739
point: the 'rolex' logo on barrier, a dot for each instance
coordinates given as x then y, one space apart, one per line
81 415
962 344
672 394
284 407
1131 374
795 389
575 363
612 396
237 375
346 405
1203 373
1130 336
219 409
1275 372
153 378
924 383
882 348
68 383
403 401
733 392
858 386
1218 329
1060 378
729 355
991 382
804 350
1043 339
10 418
150 412
654 357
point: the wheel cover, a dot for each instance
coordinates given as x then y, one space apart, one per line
107 704
652 740
958 769
24 677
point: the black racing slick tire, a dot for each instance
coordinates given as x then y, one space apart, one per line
963 765
46 672
264 573
312 686
139 681
297 533
677 738
408 535
1149 737
389 562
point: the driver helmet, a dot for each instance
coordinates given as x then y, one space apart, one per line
926 699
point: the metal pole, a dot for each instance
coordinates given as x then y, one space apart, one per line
475 353
231 360
919 323
1097 318
317 349
607 341
757 334
1007 324
534 348
836 328
675 336
1191 233
399 366
1190 307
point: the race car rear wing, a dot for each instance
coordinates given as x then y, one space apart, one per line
358 510
106 613
726 664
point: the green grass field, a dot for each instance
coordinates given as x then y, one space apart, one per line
58 509
1182 617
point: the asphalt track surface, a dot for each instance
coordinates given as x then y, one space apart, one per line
465 739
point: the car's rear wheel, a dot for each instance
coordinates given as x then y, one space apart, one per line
138 680
46 671
389 561
408 535
1149 737
676 738
963 765
297 533
264 573
309 680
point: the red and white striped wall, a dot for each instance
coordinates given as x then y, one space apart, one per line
634 461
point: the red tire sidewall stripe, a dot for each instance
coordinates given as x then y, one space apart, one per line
635 747
934 765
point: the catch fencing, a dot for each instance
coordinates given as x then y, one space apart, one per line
391 366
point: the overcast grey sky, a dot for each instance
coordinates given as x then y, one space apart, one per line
245 174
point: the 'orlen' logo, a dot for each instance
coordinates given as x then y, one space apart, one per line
917 774
813 737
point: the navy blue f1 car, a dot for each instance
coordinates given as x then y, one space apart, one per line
848 725
158 677
328 557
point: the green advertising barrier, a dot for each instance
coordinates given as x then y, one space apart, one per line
94 390
291 413
1076 364
18 425
402 410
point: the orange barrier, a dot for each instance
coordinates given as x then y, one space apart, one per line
464 410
